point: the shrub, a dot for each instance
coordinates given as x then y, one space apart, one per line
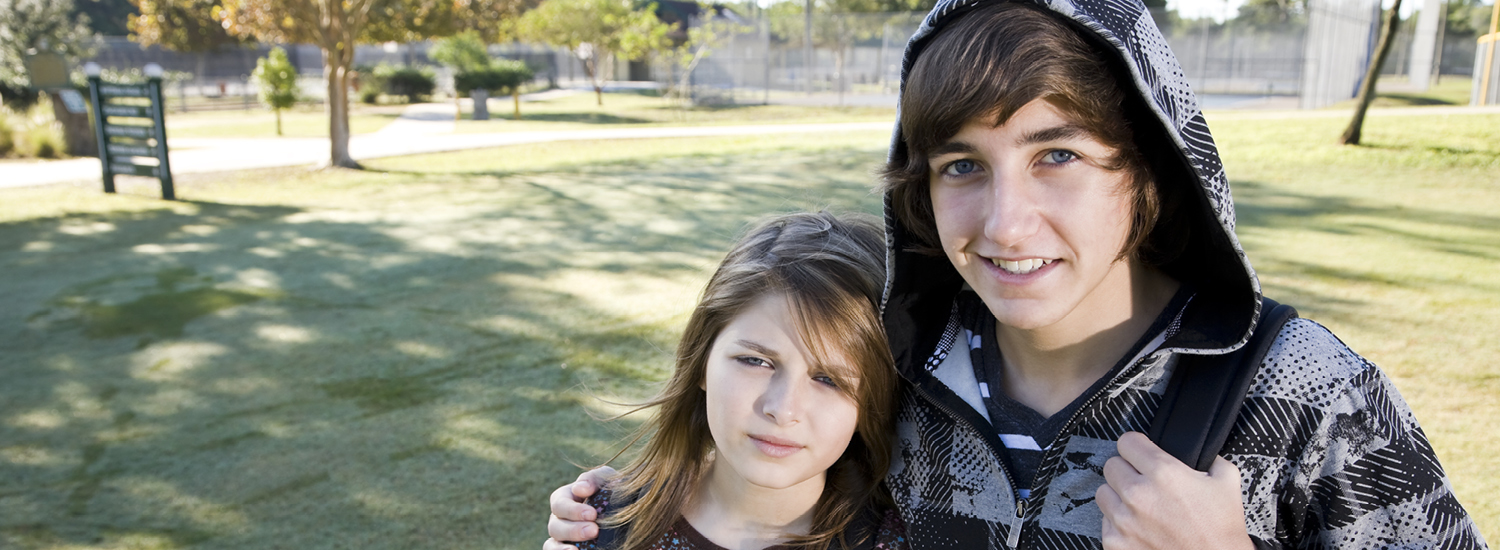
45 141
371 85
502 76
412 83
7 134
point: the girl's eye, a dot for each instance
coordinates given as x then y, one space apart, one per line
960 168
1059 157
826 381
753 361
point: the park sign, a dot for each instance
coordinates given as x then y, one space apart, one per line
131 129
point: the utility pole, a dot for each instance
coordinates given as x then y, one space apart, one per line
807 47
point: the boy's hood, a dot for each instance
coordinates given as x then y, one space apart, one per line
1171 130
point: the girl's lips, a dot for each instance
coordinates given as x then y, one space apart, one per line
775 447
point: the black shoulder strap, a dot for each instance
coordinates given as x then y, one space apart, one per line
1205 393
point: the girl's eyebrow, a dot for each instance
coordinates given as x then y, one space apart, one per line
757 348
1067 131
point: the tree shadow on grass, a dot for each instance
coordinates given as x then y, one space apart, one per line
585 118
1458 235
391 363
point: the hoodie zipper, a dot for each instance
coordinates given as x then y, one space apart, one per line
1013 534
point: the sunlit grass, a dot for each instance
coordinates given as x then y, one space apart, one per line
258 122
622 109
407 357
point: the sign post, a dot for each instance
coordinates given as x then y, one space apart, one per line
126 145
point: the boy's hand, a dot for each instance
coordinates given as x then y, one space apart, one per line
1151 500
572 519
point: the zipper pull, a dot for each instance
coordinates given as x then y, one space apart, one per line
1013 537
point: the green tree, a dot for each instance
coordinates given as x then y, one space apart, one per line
463 52
187 26
107 17
336 26
500 76
704 34
1272 14
595 31
276 83
835 25
29 25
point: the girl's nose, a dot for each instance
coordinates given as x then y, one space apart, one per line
783 400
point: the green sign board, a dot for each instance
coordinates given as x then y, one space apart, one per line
47 71
132 137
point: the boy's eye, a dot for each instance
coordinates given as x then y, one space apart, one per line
960 168
1059 157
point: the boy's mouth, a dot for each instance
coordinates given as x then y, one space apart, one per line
1020 267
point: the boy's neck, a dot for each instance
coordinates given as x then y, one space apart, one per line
1047 368
739 515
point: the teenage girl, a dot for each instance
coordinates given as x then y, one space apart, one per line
774 429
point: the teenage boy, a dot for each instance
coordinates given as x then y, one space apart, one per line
1061 234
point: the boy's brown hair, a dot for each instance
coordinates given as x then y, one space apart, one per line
986 66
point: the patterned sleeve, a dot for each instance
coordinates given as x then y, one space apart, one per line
600 502
1367 477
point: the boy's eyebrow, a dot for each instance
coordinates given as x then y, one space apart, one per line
952 147
757 348
1066 131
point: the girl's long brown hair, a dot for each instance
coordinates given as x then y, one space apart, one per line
832 270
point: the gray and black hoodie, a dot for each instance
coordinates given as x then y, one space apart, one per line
1330 455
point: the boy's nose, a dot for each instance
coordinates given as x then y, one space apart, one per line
1010 215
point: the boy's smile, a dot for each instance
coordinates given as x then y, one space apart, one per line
1031 218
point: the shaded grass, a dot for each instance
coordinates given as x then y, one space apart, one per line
413 370
413 373
1395 245
1448 90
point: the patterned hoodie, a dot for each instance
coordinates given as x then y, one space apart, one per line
1330 455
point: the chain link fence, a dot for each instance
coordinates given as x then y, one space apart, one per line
855 59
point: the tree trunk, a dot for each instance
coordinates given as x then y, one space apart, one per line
515 96
1372 74
278 122
336 69
591 69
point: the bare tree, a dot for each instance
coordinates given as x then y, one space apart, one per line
1372 73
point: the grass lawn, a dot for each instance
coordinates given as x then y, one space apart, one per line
407 357
624 109
302 121
1448 90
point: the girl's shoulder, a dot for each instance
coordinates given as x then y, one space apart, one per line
891 532
877 529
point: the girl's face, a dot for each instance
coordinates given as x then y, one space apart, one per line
777 419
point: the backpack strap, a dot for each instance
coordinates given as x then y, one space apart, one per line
1205 393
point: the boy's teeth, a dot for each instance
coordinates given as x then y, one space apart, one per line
1021 267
